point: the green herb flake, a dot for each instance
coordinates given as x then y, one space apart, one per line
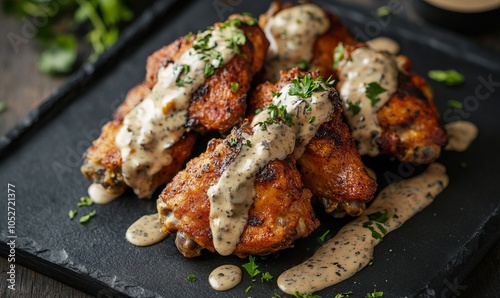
354 107
192 278
305 86
251 267
85 201
249 143
374 294
248 289
338 55
323 237
72 213
275 94
257 111
232 142
383 11
189 35
311 119
209 70
266 277
86 218
185 68
306 295
235 86
343 295
377 219
380 217
373 90
448 77
455 104
303 65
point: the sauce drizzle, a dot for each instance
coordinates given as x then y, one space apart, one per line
292 33
352 248
366 66
99 195
159 121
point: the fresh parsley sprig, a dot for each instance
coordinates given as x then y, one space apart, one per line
377 220
372 91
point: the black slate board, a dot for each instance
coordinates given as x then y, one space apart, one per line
426 257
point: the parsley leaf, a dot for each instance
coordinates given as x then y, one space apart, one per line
248 289
251 267
266 276
232 142
305 86
72 213
374 294
449 77
86 218
383 11
377 218
338 55
455 104
306 295
60 56
235 86
343 295
323 237
354 107
380 217
85 201
373 90
192 277
303 65
275 94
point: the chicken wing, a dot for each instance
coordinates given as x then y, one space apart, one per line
330 166
281 211
152 133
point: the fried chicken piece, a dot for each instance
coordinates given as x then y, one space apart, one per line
214 106
409 121
281 211
324 45
331 166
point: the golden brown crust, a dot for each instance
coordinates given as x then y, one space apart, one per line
214 106
281 211
330 166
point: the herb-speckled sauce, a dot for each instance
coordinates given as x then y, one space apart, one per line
158 122
145 231
352 248
460 135
291 34
225 277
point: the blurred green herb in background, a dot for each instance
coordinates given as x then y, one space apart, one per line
67 28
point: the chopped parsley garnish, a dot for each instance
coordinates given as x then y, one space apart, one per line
323 237
181 83
376 219
276 295
266 277
189 35
72 213
343 295
86 218
251 267
305 86
275 94
276 113
257 111
232 142
373 90
371 261
455 104
311 119
185 68
383 11
374 294
303 65
209 70
354 107
314 17
85 201
306 295
235 40
192 277
338 55
248 289
235 86
249 143
449 77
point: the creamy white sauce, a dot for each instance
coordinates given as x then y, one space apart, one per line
225 277
158 122
384 44
366 66
145 231
352 248
460 135
232 196
99 195
291 34
468 6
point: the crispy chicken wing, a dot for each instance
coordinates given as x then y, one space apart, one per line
281 211
331 166
215 106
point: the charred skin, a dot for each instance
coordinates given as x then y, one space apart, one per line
324 45
411 130
331 166
214 106
281 211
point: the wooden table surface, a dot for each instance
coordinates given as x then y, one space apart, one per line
23 88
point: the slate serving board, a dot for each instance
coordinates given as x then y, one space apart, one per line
425 257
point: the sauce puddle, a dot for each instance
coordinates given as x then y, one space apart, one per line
352 248
225 277
99 195
460 135
145 231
